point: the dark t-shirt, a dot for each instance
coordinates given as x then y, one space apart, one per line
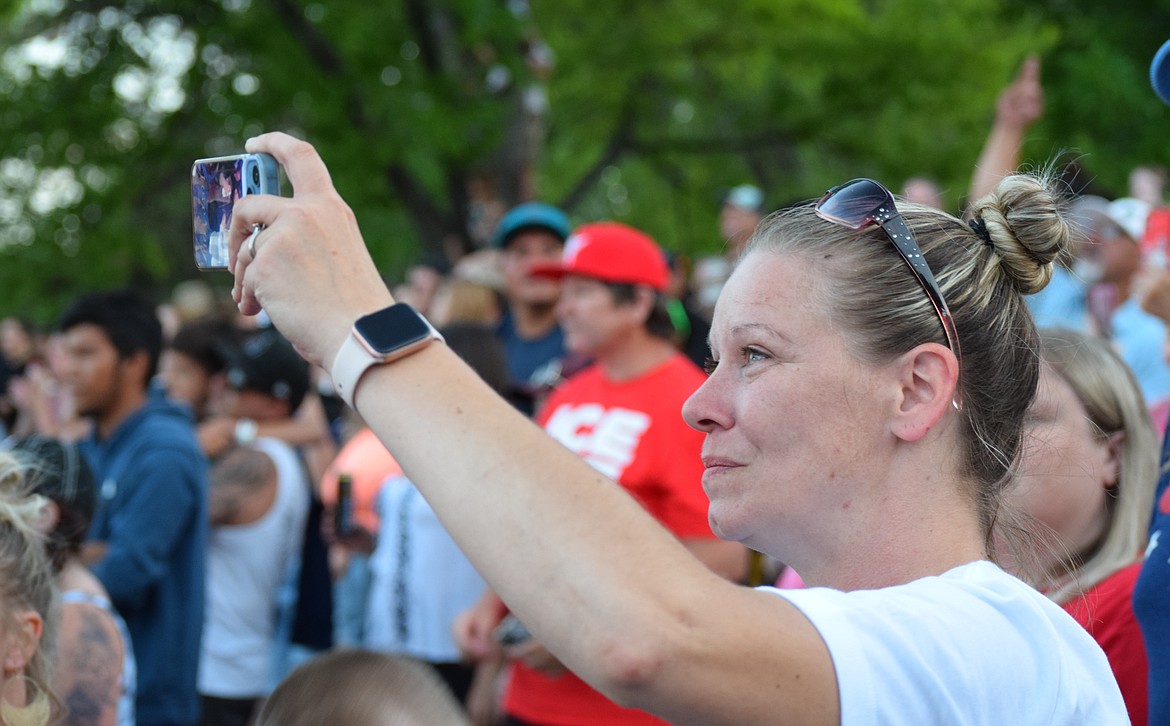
535 365
1150 597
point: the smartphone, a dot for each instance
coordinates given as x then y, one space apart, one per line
510 631
343 512
216 184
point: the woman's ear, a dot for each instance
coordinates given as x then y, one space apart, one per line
22 640
1113 444
927 379
49 518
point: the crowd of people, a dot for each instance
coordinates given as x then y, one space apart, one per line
927 443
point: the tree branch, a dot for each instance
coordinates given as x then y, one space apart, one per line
315 44
429 221
618 145
712 144
326 58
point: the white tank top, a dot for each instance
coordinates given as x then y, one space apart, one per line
245 566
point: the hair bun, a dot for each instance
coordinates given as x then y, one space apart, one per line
1026 225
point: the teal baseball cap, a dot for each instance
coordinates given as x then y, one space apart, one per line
531 215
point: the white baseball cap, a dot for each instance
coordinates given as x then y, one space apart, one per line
1131 215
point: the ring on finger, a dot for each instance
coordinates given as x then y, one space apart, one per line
256 229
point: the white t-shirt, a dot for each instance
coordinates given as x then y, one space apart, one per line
419 579
971 646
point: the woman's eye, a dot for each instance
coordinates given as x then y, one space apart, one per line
747 355
753 355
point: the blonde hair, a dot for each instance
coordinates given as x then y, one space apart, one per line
883 311
26 573
460 301
361 688
470 302
1106 387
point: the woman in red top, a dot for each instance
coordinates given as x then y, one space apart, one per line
1088 472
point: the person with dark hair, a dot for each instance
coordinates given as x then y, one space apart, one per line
192 362
95 675
259 506
873 364
18 342
18 350
149 532
620 415
690 327
529 234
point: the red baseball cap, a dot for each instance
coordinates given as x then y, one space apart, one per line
610 252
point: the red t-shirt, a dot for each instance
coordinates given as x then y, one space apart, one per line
634 433
1157 237
1106 611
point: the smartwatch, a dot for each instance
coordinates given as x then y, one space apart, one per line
246 431
378 338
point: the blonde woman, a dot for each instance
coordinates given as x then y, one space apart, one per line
1087 474
27 611
95 677
864 406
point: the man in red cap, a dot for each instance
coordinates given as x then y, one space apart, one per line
621 415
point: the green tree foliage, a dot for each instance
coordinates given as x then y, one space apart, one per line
793 96
435 114
117 101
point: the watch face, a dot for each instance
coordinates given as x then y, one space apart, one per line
393 328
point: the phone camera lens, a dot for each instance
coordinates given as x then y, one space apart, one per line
256 175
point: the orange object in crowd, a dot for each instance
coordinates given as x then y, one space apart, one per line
365 459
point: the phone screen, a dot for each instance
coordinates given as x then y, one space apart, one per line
216 184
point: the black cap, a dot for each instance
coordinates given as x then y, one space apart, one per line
266 362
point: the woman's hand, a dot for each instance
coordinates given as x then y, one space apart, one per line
311 272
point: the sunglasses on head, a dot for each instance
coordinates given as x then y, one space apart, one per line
861 202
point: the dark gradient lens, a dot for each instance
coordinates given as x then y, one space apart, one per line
855 204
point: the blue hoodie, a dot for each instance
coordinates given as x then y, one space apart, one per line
152 515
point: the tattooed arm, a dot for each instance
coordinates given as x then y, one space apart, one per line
90 655
243 485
